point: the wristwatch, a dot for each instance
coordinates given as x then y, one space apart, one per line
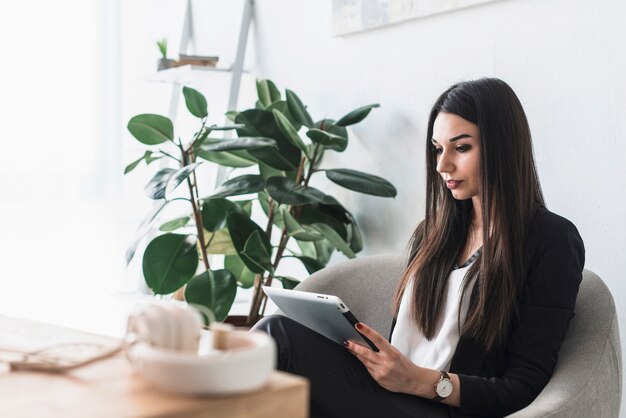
443 388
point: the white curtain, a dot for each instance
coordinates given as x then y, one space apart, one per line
60 158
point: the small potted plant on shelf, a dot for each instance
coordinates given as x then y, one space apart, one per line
284 145
163 63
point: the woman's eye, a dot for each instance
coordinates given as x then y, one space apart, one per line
438 150
463 148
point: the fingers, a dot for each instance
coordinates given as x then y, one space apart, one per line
364 354
378 340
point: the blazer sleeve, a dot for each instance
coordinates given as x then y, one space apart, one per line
546 306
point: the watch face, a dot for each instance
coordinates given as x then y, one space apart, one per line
444 388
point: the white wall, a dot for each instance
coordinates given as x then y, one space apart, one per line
565 59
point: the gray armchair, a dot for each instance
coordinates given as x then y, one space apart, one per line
590 360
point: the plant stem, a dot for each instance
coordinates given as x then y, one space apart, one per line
312 164
270 219
169 155
253 315
259 298
208 244
189 159
197 135
300 170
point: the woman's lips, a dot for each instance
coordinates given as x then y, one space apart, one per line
453 184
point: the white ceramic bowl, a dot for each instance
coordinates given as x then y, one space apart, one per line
245 366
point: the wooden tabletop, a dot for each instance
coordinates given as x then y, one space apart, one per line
110 388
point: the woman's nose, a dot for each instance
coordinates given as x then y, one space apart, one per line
444 165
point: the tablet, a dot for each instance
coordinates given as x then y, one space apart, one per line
324 314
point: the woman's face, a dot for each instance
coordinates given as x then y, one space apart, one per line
457 148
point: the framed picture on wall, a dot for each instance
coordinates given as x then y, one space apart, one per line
351 16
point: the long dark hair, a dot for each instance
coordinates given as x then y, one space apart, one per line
509 191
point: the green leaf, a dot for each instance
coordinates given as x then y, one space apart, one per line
241 228
235 265
146 156
200 138
298 110
219 242
245 206
327 139
144 227
286 191
226 128
288 130
257 252
214 289
328 125
288 282
174 224
196 103
324 250
262 123
354 234
361 182
249 119
237 159
180 176
151 129
282 107
238 144
318 250
273 158
231 115
311 264
333 215
299 232
169 262
130 167
334 238
214 212
246 184
156 187
266 171
307 248
267 91
356 115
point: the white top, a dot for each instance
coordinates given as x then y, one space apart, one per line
436 353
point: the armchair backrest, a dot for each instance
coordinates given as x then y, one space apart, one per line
365 284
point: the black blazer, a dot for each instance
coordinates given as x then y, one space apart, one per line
505 380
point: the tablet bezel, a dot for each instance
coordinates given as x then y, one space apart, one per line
325 314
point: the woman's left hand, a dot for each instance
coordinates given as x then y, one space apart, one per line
390 368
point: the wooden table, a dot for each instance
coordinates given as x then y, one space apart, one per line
110 388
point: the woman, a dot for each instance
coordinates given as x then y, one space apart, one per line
490 287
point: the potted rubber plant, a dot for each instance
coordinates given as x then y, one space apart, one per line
273 158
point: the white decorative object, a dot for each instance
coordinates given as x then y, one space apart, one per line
357 15
246 365
170 351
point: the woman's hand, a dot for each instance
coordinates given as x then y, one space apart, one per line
395 372
390 368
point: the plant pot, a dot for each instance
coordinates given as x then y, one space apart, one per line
164 63
239 321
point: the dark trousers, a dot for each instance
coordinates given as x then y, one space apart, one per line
340 384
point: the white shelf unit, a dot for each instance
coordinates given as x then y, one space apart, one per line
217 78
